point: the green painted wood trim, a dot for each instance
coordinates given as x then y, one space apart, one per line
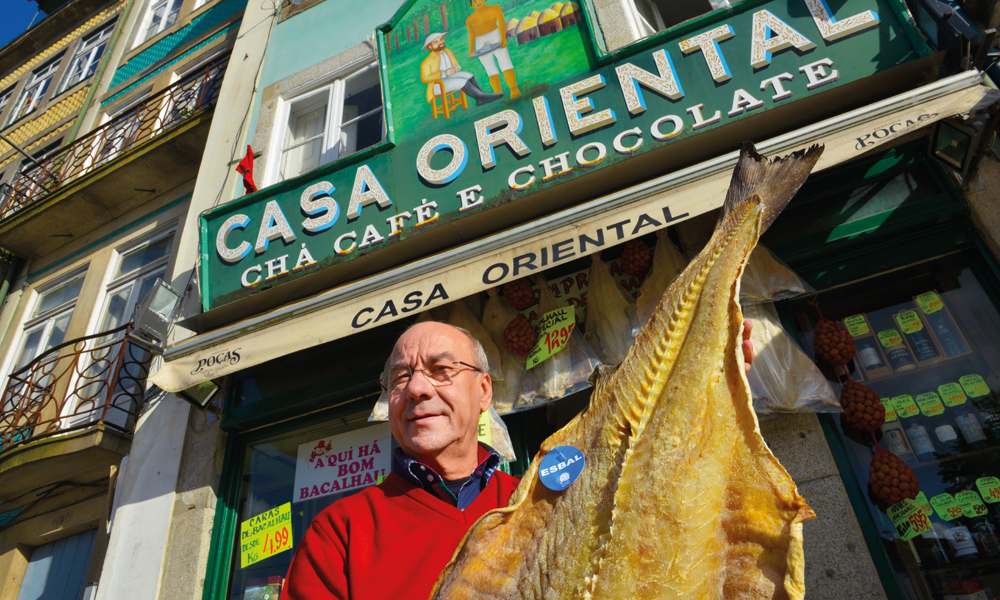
912 32
220 551
383 63
202 280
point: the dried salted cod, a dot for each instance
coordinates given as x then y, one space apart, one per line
611 319
679 497
507 386
667 263
461 316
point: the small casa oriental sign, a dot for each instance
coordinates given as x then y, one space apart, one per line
486 107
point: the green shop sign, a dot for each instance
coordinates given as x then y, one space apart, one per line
487 105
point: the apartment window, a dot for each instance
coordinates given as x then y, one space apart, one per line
162 14
137 270
87 56
35 88
659 15
329 123
122 129
46 328
31 180
5 98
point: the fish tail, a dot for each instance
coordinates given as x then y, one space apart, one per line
774 182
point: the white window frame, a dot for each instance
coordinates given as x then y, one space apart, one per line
5 97
40 78
333 86
147 33
645 29
95 153
90 51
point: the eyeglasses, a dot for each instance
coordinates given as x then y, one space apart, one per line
438 375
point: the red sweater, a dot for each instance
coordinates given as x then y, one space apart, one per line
389 542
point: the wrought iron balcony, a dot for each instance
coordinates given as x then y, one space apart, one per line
97 378
149 119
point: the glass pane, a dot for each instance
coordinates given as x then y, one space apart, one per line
361 93
361 134
55 297
30 348
115 314
58 334
147 254
306 119
301 159
269 475
928 340
155 19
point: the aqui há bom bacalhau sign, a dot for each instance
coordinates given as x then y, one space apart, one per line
341 463
544 115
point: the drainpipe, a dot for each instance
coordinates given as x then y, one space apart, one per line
15 265
112 43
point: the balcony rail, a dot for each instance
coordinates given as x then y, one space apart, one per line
150 118
100 377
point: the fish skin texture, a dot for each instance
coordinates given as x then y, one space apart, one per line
679 496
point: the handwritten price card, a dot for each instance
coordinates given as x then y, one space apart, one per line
890 410
974 386
265 535
890 338
553 329
972 505
909 322
930 404
908 519
929 302
952 394
946 507
989 487
856 325
904 405
924 504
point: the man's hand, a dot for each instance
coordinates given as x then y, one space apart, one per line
747 344
452 71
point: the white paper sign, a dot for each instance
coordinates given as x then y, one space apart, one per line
341 463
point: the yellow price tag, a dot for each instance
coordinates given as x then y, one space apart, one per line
989 487
909 321
485 429
952 394
890 410
924 504
972 505
930 404
266 534
929 302
904 405
946 507
553 329
908 519
856 325
890 338
974 385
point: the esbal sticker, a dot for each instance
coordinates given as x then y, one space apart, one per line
561 467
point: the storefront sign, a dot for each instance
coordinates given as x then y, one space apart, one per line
553 330
265 535
989 487
559 118
341 463
908 519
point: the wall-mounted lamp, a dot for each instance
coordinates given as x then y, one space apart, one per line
153 316
955 143
201 394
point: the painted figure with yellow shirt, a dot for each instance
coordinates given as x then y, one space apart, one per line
441 67
488 42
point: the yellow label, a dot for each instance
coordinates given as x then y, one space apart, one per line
974 386
924 504
972 505
890 410
890 338
857 325
485 429
929 302
266 534
951 394
946 507
989 487
909 321
930 404
904 405
553 329
908 519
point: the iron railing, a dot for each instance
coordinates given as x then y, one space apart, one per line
100 377
150 118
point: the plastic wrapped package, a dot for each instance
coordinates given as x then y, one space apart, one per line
462 317
510 370
611 321
783 378
667 263
767 279
500 437
564 372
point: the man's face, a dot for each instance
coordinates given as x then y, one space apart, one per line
478 3
437 45
435 424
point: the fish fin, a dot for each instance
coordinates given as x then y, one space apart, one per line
774 182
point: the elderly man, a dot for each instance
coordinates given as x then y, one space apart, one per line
391 541
441 67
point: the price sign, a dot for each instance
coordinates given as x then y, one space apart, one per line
890 410
974 385
908 519
485 429
553 329
946 507
905 406
930 404
929 302
924 504
889 338
952 394
972 505
989 487
857 325
266 534
909 321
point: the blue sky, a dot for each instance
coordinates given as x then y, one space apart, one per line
16 16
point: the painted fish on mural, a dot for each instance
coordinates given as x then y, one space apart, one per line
679 497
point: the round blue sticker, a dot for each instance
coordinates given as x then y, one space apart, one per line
560 467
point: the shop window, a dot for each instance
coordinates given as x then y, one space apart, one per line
87 57
162 14
659 15
328 123
35 88
58 570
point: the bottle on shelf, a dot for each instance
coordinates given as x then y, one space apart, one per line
985 535
932 547
989 409
969 427
947 437
947 333
868 354
923 345
896 352
920 440
963 545
895 441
